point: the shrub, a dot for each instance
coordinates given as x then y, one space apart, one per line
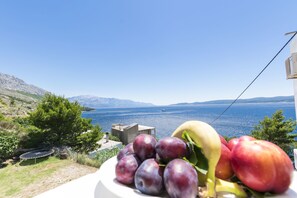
34 138
2 102
106 154
8 125
1 116
86 160
114 138
8 144
96 161
12 101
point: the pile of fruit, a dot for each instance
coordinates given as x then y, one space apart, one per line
197 161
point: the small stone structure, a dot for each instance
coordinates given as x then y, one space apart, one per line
127 133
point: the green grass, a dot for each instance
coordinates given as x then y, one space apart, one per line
14 178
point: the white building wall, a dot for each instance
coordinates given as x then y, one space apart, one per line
293 49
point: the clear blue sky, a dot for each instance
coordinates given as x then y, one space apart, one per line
158 51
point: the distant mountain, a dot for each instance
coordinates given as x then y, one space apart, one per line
12 83
250 100
17 98
99 102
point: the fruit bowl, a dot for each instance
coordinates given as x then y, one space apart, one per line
107 185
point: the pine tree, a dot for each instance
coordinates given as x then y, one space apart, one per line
62 124
277 130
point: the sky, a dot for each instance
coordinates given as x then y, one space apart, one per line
157 51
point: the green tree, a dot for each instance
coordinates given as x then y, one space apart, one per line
62 124
85 140
33 138
277 130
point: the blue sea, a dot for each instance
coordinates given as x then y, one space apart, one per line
239 120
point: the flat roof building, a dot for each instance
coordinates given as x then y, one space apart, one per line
127 133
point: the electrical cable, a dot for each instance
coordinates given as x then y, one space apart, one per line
256 77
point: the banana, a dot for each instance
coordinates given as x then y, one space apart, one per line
206 138
223 186
209 141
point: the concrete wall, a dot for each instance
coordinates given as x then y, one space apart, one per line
126 135
130 134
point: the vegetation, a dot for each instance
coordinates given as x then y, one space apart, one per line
62 125
277 130
21 176
104 155
15 179
8 144
33 137
34 96
10 136
2 102
114 138
87 109
55 123
1 116
86 142
14 107
97 160
12 101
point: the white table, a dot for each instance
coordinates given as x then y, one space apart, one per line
102 184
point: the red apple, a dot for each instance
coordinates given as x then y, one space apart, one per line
262 166
232 143
246 138
223 140
224 169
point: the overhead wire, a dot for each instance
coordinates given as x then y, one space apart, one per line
256 77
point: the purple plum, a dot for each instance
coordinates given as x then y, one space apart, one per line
180 179
144 146
127 150
126 168
170 148
149 177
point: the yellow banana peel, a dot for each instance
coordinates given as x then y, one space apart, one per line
206 138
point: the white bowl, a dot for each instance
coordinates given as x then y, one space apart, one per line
109 187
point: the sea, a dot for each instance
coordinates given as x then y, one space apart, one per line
238 120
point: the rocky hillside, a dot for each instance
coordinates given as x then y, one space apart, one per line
17 98
12 83
99 102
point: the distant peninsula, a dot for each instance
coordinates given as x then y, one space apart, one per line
275 99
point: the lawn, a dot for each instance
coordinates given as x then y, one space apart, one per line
17 179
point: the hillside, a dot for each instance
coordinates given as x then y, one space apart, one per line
17 98
99 102
15 84
250 100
